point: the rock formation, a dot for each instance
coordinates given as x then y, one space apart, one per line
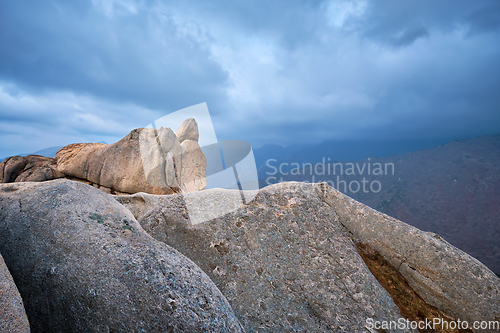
444 276
194 162
82 263
282 270
12 315
146 160
134 164
294 260
451 190
297 258
188 131
31 168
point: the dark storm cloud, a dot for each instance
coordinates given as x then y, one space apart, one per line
386 20
127 55
270 71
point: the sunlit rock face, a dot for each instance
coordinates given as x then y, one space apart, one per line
147 160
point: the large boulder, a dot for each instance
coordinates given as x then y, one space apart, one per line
134 164
284 261
444 276
82 263
305 257
12 315
147 160
194 166
194 163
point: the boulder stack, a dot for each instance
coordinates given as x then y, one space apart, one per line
147 160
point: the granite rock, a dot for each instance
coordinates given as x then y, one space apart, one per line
305 257
13 318
444 276
82 263
31 168
134 164
194 166
284 261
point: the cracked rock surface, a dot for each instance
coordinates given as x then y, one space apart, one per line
288 260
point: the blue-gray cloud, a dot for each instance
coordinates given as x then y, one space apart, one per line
270 71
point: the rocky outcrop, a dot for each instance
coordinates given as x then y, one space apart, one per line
31 168
297 258
284 261
444 276
147 160
294 260
188 131
12 315
137 163
82 263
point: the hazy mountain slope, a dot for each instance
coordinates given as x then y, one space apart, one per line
452 190
337 150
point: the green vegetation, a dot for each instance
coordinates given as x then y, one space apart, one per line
96 217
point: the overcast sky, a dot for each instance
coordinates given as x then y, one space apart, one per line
270 71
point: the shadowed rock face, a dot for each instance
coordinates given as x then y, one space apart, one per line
12 315
444 276
289 260
147 160
82 263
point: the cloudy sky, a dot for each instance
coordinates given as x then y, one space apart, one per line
270 71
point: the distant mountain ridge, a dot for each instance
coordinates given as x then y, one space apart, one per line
339 150
452 190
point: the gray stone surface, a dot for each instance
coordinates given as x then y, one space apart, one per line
446 277
12 315
82 263
284 261
188 130
194 166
